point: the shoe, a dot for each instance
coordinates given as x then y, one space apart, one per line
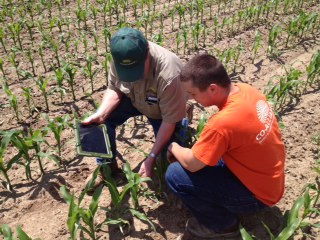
197 230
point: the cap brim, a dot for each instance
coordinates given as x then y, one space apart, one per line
130 74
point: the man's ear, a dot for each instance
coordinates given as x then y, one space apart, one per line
212 87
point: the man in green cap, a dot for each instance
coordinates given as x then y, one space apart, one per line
143 80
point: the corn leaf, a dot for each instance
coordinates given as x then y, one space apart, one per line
22 235
142 217
6 231
244 234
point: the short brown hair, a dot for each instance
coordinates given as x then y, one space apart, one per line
203 70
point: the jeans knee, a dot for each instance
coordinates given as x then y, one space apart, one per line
172 174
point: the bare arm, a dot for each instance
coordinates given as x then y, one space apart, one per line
164 134
186 157
110 101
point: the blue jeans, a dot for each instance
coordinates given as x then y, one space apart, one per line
122 113
214 195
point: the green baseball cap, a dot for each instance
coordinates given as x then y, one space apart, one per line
129 51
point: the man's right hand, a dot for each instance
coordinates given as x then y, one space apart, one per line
94 118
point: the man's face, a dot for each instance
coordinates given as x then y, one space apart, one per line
205 98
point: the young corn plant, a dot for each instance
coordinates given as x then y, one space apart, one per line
134 180
89 72
96 42
34 141
256 45
2 71
116 212
2 37
285 90
18 140
31 60
55 45
313 71
105 64
15 30
42 84
107 37
27 93
57 125
238 51
71 71
59 76
8 234
6 165
13 61
80 218
41 54
272 50
196 31
13 100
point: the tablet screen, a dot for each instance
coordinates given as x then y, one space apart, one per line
93 140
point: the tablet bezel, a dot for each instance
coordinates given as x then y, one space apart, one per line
82 152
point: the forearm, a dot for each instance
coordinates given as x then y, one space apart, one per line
110 101
163 136
185 157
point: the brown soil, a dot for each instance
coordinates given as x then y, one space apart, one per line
37 204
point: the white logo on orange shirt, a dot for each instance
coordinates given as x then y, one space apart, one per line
266 116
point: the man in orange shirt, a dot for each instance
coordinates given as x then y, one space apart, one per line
237 164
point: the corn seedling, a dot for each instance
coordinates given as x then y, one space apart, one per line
18 140
2 70
71 71
34 141
8 234
42 84
185 38
27 93
15 30
55 45
56 126
89 72
181 9
196 31
94 12
13 61
13 100
59 76
202 122
272 41
105 64
287 88
6 137
238 51
313 71
41 54
135 180
118 210
256 45
31 59
77 213
2 36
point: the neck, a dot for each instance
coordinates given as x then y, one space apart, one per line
226 93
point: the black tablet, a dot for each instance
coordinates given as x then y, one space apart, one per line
92 140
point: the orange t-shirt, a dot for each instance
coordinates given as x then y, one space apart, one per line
245 133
